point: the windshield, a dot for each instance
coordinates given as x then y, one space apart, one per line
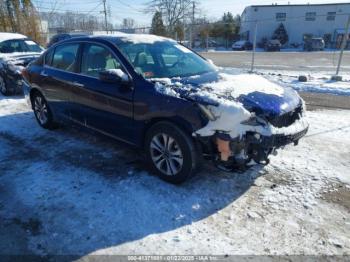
19 45
164 59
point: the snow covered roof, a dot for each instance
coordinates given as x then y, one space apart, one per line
135 38
9 36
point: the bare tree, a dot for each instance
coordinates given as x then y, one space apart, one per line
20 16
4 23
73 21
128 23
173 11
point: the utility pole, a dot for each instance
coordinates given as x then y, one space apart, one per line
207 41
105 13
183 21
343 45
191 28
254 47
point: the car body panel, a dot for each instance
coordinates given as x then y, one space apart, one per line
260 103
103 106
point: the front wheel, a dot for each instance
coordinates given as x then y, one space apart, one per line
171 153
42 111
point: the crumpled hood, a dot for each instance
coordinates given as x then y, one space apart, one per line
20 59
254 92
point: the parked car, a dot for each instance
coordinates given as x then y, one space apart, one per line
314 44
64 36
160 96
16 52
273 45
242 45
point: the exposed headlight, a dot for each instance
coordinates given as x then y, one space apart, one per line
303 108
207 112
254 121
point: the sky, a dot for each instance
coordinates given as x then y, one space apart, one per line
212 9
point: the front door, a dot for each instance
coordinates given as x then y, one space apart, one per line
106 107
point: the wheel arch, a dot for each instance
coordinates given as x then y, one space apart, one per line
32 92
177 121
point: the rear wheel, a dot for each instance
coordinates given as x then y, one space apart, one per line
42 111
3 87
171 153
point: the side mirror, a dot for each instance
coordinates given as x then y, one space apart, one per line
114 76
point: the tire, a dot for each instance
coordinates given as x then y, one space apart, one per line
3 88
171 153
42 111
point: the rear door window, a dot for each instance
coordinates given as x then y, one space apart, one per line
65 57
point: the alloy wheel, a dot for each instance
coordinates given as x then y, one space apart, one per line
40 110
166 154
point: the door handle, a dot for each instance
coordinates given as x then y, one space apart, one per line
43 74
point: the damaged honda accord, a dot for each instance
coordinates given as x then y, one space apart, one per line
160 96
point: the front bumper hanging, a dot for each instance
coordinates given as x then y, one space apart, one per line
240 153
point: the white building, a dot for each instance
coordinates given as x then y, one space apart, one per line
301 21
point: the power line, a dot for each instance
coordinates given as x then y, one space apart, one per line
130 8
66 10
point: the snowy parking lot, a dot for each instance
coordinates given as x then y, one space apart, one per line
69 192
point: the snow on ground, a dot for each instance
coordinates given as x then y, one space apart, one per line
68 192
317 82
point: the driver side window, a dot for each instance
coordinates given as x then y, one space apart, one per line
96 59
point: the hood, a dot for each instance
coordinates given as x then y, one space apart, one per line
19 58
255 93
15 62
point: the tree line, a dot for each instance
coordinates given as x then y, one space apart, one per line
180 19
20 16
172 17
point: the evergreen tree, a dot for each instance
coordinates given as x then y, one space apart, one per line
227 28
281 34
158 27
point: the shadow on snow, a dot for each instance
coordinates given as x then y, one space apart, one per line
89 192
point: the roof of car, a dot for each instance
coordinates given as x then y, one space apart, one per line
123 37
72 34
10 36
275 41
240 42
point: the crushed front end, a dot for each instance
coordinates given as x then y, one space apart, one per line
262 136
11 71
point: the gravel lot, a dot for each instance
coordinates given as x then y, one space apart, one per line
68 192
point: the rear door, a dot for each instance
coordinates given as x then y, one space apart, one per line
58 77
106 107
55 78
